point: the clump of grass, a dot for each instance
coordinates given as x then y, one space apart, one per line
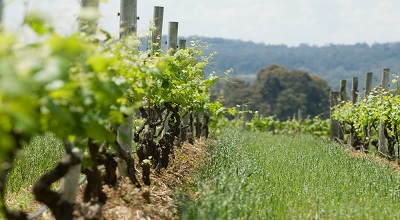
37 157
261 176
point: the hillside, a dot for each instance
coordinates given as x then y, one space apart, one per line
331 62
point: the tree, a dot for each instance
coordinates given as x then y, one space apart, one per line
278 91
241 93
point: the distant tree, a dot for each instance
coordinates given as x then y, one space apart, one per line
268 85
238 92
278 91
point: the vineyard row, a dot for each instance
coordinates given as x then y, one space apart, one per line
99 96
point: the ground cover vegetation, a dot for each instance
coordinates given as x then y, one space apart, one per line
257 175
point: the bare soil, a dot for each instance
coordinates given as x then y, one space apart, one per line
156 201
375 157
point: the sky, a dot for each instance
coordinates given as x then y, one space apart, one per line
289 22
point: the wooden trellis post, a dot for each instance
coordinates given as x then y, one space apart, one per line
299 115
382 142
354 93
368 84
89 26
197 124
334 126
342 97
185 118
157 27
343 93
182 44
354 90
368 89
69 183
172 37
191 133
128 27
128 18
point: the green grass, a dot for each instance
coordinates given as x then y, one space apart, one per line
260 176
39 156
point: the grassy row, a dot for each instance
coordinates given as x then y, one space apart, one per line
39 156
260 176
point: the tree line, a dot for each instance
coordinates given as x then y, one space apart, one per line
332 62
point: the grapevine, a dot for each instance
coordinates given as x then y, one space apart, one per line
365 116
83 91
316 126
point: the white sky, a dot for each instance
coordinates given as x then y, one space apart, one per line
290 22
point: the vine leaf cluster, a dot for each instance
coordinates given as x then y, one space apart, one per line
363 118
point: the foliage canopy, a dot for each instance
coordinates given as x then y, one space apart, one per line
278 91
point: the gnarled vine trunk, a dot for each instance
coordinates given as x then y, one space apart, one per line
61 208
93 190
130 164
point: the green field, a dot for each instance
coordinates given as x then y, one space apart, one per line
260 176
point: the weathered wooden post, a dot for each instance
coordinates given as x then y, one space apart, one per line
342 98
172 37
184 128
89 25
185 118
190 115
368 89
191 132
156 30
128 18
354 94
299 115
69 183
198 124
172 42
128 28
354 90
125 136
382 142
334 126
182 44
204 128
343 93
368 84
